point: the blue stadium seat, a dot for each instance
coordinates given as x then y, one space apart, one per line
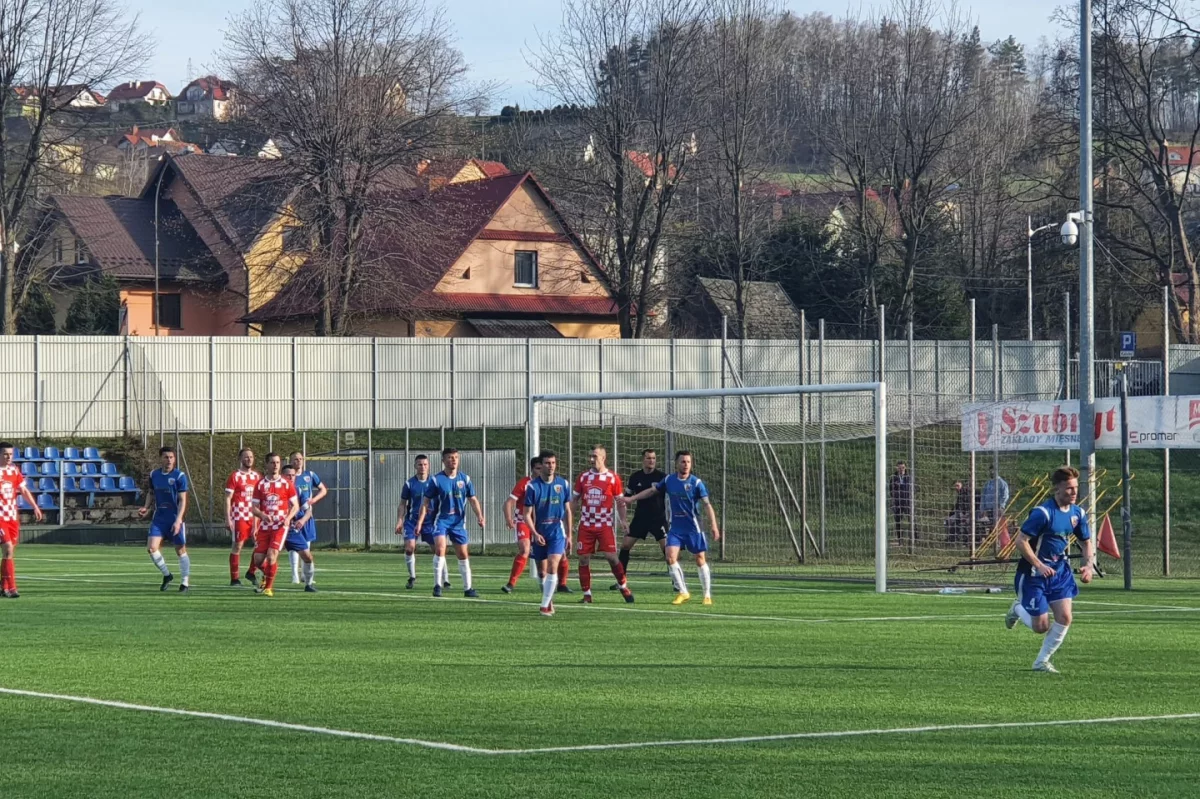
49 468
31 484
90 469
18 454
88 484
69 468
109 469
48 484
127 484
46 502
23 504
91 454
108 484
72 454
29 468
51 454
32 454
70 485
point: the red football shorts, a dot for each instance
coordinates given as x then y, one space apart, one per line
10 532
592 541
269 539
523 533
244 529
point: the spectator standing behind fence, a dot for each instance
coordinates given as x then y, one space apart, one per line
901 492
994 499
958 523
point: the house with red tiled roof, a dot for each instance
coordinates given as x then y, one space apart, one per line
77 97
436 174
138 92
206 97
486 257
491 257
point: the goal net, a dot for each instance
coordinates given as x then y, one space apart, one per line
833 481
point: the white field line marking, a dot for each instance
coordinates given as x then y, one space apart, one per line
1007 598
740 617
479 573
798 736
473 750
654 611
87 700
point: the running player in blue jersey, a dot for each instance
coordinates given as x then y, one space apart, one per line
448 494
309 490
548 515
297 541
1044 581
686 494
412 495
168 498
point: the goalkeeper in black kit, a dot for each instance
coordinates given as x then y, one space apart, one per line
650 516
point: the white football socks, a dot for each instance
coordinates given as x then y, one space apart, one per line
185 567
464 571
706 581
411 562
1054 639
160 562
1023 614
294 559
677 578
439 569
308 572
549 584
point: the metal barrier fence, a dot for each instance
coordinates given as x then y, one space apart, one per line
71 386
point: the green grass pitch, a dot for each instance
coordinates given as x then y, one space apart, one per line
770 658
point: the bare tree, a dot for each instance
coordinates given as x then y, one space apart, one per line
841 85
353 90
51 52
1149 124
746 134
631 67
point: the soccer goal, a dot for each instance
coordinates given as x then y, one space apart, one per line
798 474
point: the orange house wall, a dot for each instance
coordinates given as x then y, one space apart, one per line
203 313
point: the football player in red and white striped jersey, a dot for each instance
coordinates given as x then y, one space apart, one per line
12 485
239 518
594 499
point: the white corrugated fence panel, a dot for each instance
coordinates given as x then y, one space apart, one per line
414 383
253 384
489 382
333 384
181 366
83 385
20 383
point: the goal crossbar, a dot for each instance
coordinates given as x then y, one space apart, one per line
877 389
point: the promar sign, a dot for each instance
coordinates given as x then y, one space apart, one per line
1154 423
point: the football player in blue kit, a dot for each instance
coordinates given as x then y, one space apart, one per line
1044 581
168 498
547 510
411 497
309 491
297 541
686 495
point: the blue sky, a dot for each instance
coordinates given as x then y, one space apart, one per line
496 35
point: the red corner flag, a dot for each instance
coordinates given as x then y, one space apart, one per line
1106 541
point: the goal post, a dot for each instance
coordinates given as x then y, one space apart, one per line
765 434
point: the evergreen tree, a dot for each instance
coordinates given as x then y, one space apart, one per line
96 309
36 315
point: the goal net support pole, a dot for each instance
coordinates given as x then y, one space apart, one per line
878 390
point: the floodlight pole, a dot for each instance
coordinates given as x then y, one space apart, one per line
1087 310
